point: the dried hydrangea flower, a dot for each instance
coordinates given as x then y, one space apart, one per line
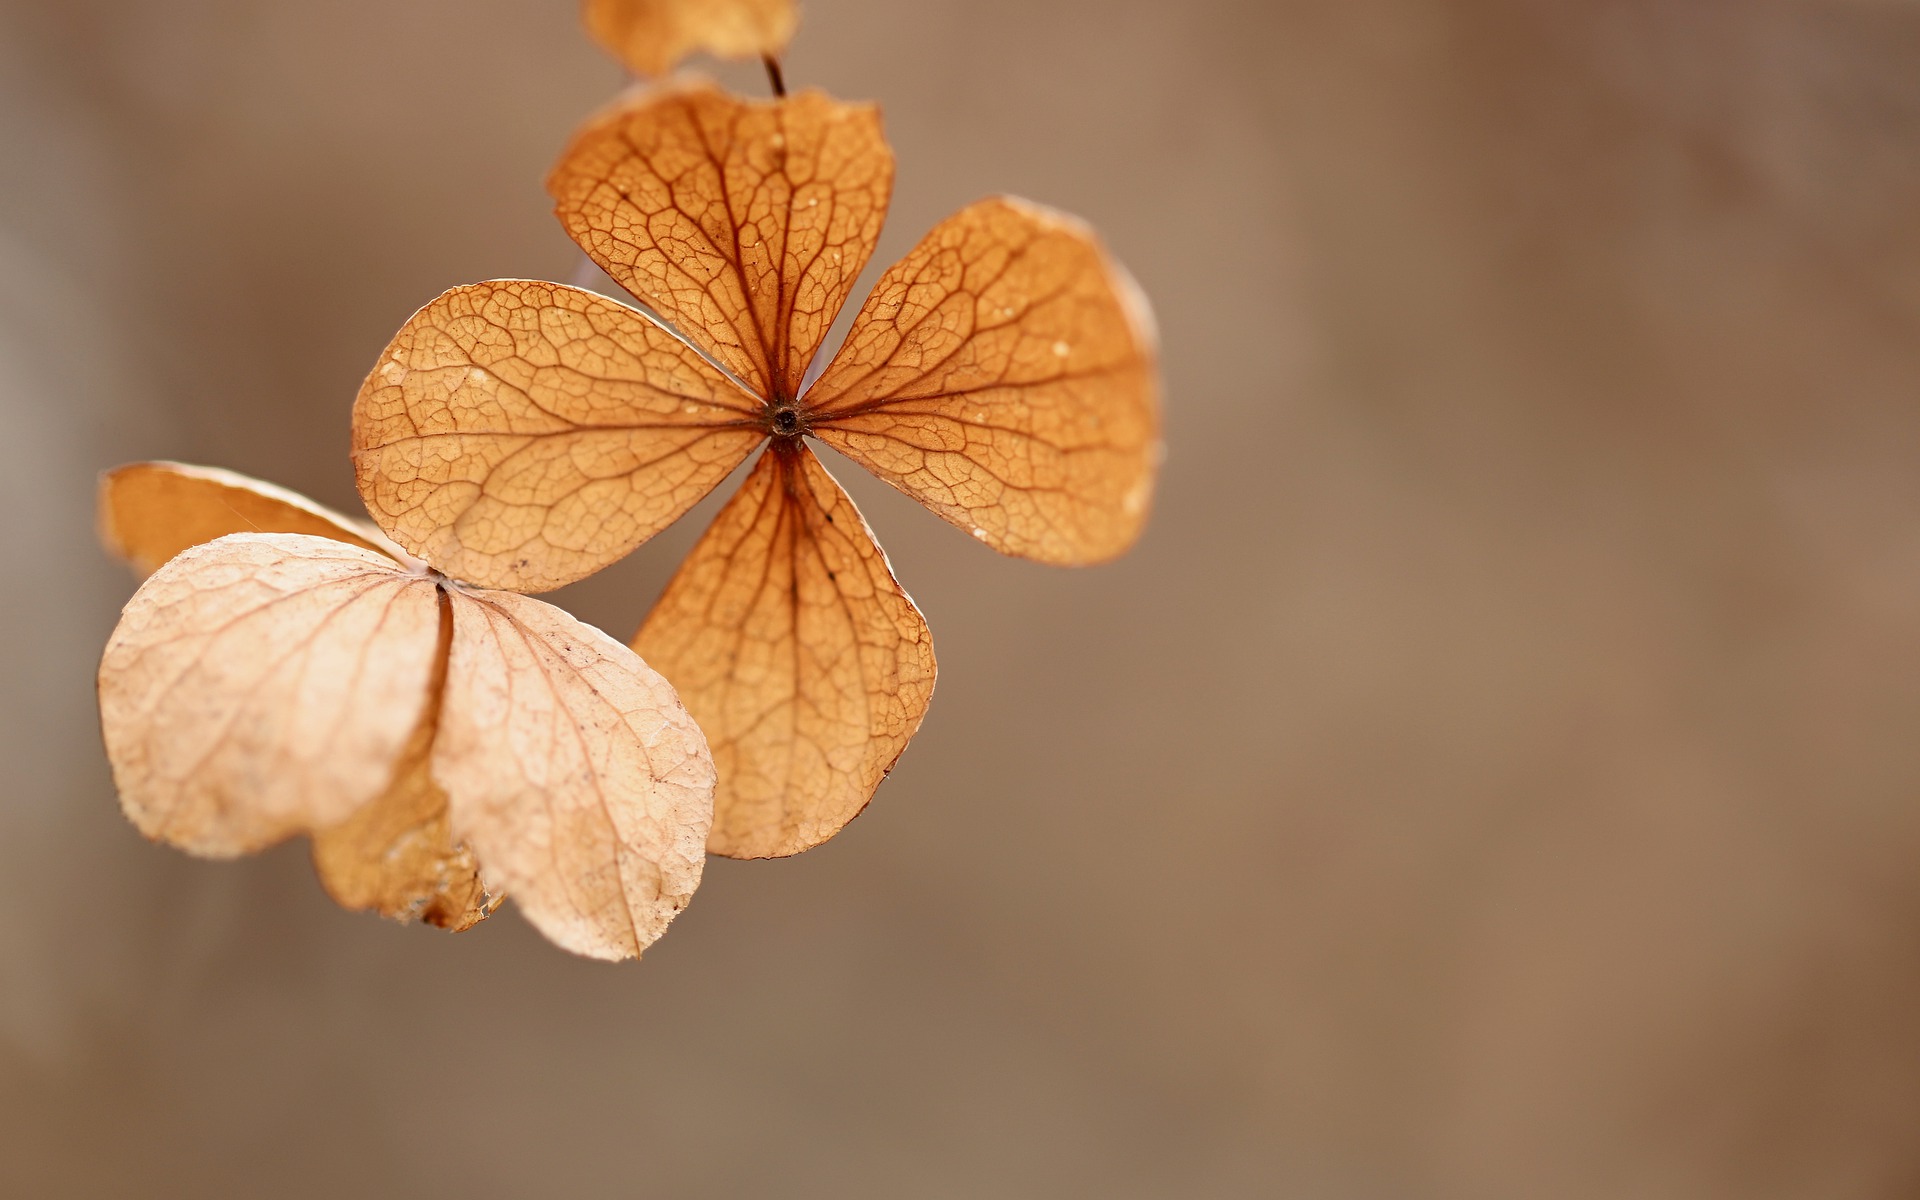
523 435
440 743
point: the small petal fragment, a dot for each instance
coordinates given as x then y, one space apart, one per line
573 772
264 685
651 35
1003 375
397 856
151 511
524 435
796 649
744 223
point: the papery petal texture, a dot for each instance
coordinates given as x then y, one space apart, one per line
804 661
1003 375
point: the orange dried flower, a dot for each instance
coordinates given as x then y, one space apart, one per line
285 670
523 435
649 36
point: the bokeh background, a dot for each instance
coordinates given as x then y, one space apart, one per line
1496 773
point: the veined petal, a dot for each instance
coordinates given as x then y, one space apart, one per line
796 649
524 435
263 685
573 771
742 222
1003 375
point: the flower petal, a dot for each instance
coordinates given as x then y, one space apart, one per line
151 511
263 685
651 35
742 222
573 771
396 855
524 435
1003 375
795 648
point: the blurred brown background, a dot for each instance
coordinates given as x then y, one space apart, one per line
1497 773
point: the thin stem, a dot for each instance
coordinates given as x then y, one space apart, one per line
773 74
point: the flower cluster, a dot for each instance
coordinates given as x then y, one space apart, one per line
389 689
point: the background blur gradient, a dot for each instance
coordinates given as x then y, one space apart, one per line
1496 773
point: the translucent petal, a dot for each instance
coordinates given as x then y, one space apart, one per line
744 223
523 435
803 660
1003 375
651 35
573 771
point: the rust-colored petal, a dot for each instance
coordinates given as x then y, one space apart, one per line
151 511
523 435
795 648
583 786
742 222
396 856
1003 375
649 36
263 685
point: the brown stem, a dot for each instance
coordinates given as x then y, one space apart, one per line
773 74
